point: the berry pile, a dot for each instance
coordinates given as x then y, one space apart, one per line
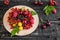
21 18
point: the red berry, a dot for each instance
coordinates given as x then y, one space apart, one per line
40 3
51 3
29 15
54 11
15 14
48 23
32 21
36 3
25 21
43 26
26 13
26 27
6 2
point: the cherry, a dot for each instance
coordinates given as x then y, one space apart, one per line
54 11
51 3
26 12
29 15
35 2
48 23
15 14
6 2
25 21
26 27
32 21
40 3
43 26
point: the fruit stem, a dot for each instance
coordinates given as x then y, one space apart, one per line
41 21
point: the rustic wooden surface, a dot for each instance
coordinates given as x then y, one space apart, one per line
51 33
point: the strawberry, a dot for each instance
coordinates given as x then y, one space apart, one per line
54 11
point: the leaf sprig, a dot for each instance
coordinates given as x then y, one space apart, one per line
48 9
14 31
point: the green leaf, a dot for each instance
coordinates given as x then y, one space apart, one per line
46 12
45 7
33 13
48 9
14 31
51 7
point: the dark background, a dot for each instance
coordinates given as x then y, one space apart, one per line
51 33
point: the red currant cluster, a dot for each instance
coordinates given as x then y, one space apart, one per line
45 24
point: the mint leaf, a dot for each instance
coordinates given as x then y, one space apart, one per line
33 13
48 9
45 7
46 12
51 7
14 31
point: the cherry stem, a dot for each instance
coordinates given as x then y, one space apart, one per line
42 21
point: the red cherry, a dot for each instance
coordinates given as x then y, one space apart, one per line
54 11
40 3
6 2
48 23
43 26
32 21
26 13
15 14
51 3
36 3
25 21
26 27
29 15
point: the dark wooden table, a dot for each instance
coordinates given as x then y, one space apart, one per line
51 33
